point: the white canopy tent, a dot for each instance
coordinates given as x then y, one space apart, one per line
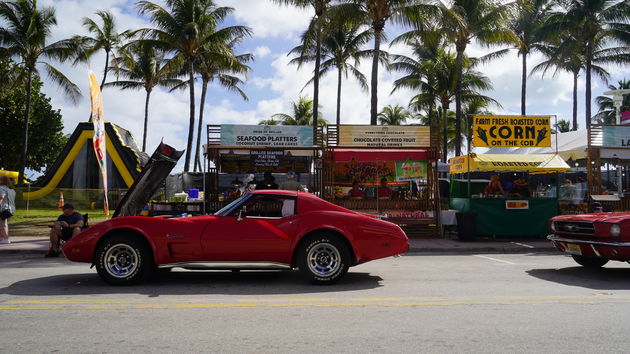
571 145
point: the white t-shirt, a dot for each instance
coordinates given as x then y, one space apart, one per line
9 199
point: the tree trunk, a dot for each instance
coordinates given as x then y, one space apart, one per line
458 102
587 106
575 87
204 90
191 123
339 96
524 84
27 118
374 83
318 54
445 131
105 71
146 121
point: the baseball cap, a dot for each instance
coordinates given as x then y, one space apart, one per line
67 206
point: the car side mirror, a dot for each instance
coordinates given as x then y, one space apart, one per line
242 214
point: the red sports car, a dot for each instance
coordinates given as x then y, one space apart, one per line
262 230
593 239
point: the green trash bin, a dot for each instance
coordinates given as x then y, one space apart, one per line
466 226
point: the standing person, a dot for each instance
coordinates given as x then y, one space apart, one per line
68 224
384 192
356 192
268 182
7 207
291 184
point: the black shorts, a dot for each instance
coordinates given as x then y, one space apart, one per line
66 233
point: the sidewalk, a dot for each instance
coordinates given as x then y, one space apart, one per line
39 246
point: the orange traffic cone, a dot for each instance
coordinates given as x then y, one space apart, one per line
61 202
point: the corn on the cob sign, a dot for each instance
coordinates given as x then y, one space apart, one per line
512 131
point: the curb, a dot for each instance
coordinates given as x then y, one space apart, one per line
481 250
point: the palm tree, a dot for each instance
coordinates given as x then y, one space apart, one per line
566 52
562 126
483 20
607 112
216 66
302 114
338 47
376 13
186 28
321 8
106 38
144 67
530 17
270 121
393 115
433 73
602 24
25 36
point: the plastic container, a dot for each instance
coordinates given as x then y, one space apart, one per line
466 225
193 193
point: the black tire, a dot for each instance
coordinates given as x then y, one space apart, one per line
589 262
323 259
124 260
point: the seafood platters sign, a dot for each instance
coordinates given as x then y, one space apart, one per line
266 135
512 131
384 135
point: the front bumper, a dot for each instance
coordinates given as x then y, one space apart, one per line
590 248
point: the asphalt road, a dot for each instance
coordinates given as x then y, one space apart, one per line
420 303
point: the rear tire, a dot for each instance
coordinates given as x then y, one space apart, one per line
124 260
323 259
589 262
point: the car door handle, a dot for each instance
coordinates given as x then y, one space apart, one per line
175 236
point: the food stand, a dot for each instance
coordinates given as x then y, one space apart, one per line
506 215
392 170
609 145
243 154
506 194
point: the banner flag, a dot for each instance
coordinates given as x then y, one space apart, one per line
99 135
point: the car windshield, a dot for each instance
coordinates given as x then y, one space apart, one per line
226 209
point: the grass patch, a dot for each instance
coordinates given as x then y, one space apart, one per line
48 216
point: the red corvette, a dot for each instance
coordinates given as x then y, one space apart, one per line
261 230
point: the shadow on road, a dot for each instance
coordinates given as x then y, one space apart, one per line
192 283
599 279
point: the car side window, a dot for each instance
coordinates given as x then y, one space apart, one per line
269 206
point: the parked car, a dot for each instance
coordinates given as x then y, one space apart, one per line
269 229
593 239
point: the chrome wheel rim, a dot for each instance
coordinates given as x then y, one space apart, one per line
121 260
323 259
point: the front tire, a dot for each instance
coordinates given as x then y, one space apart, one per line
124 260
323 259
589 262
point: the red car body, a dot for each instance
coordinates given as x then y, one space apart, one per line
593 239
229 238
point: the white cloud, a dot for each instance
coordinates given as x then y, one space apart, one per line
268 19
261 51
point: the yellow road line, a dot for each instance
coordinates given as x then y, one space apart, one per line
143 304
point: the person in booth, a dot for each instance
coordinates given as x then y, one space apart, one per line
494 186
356 192
384 192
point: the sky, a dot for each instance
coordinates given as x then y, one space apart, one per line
273 83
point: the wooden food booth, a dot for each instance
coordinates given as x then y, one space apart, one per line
241 152
392 170
609 145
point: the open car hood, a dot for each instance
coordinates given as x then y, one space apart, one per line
152 176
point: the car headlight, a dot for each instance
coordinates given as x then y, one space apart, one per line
615 230
553 226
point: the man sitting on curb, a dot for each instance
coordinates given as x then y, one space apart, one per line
67 225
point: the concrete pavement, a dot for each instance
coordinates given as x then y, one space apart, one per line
39 245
